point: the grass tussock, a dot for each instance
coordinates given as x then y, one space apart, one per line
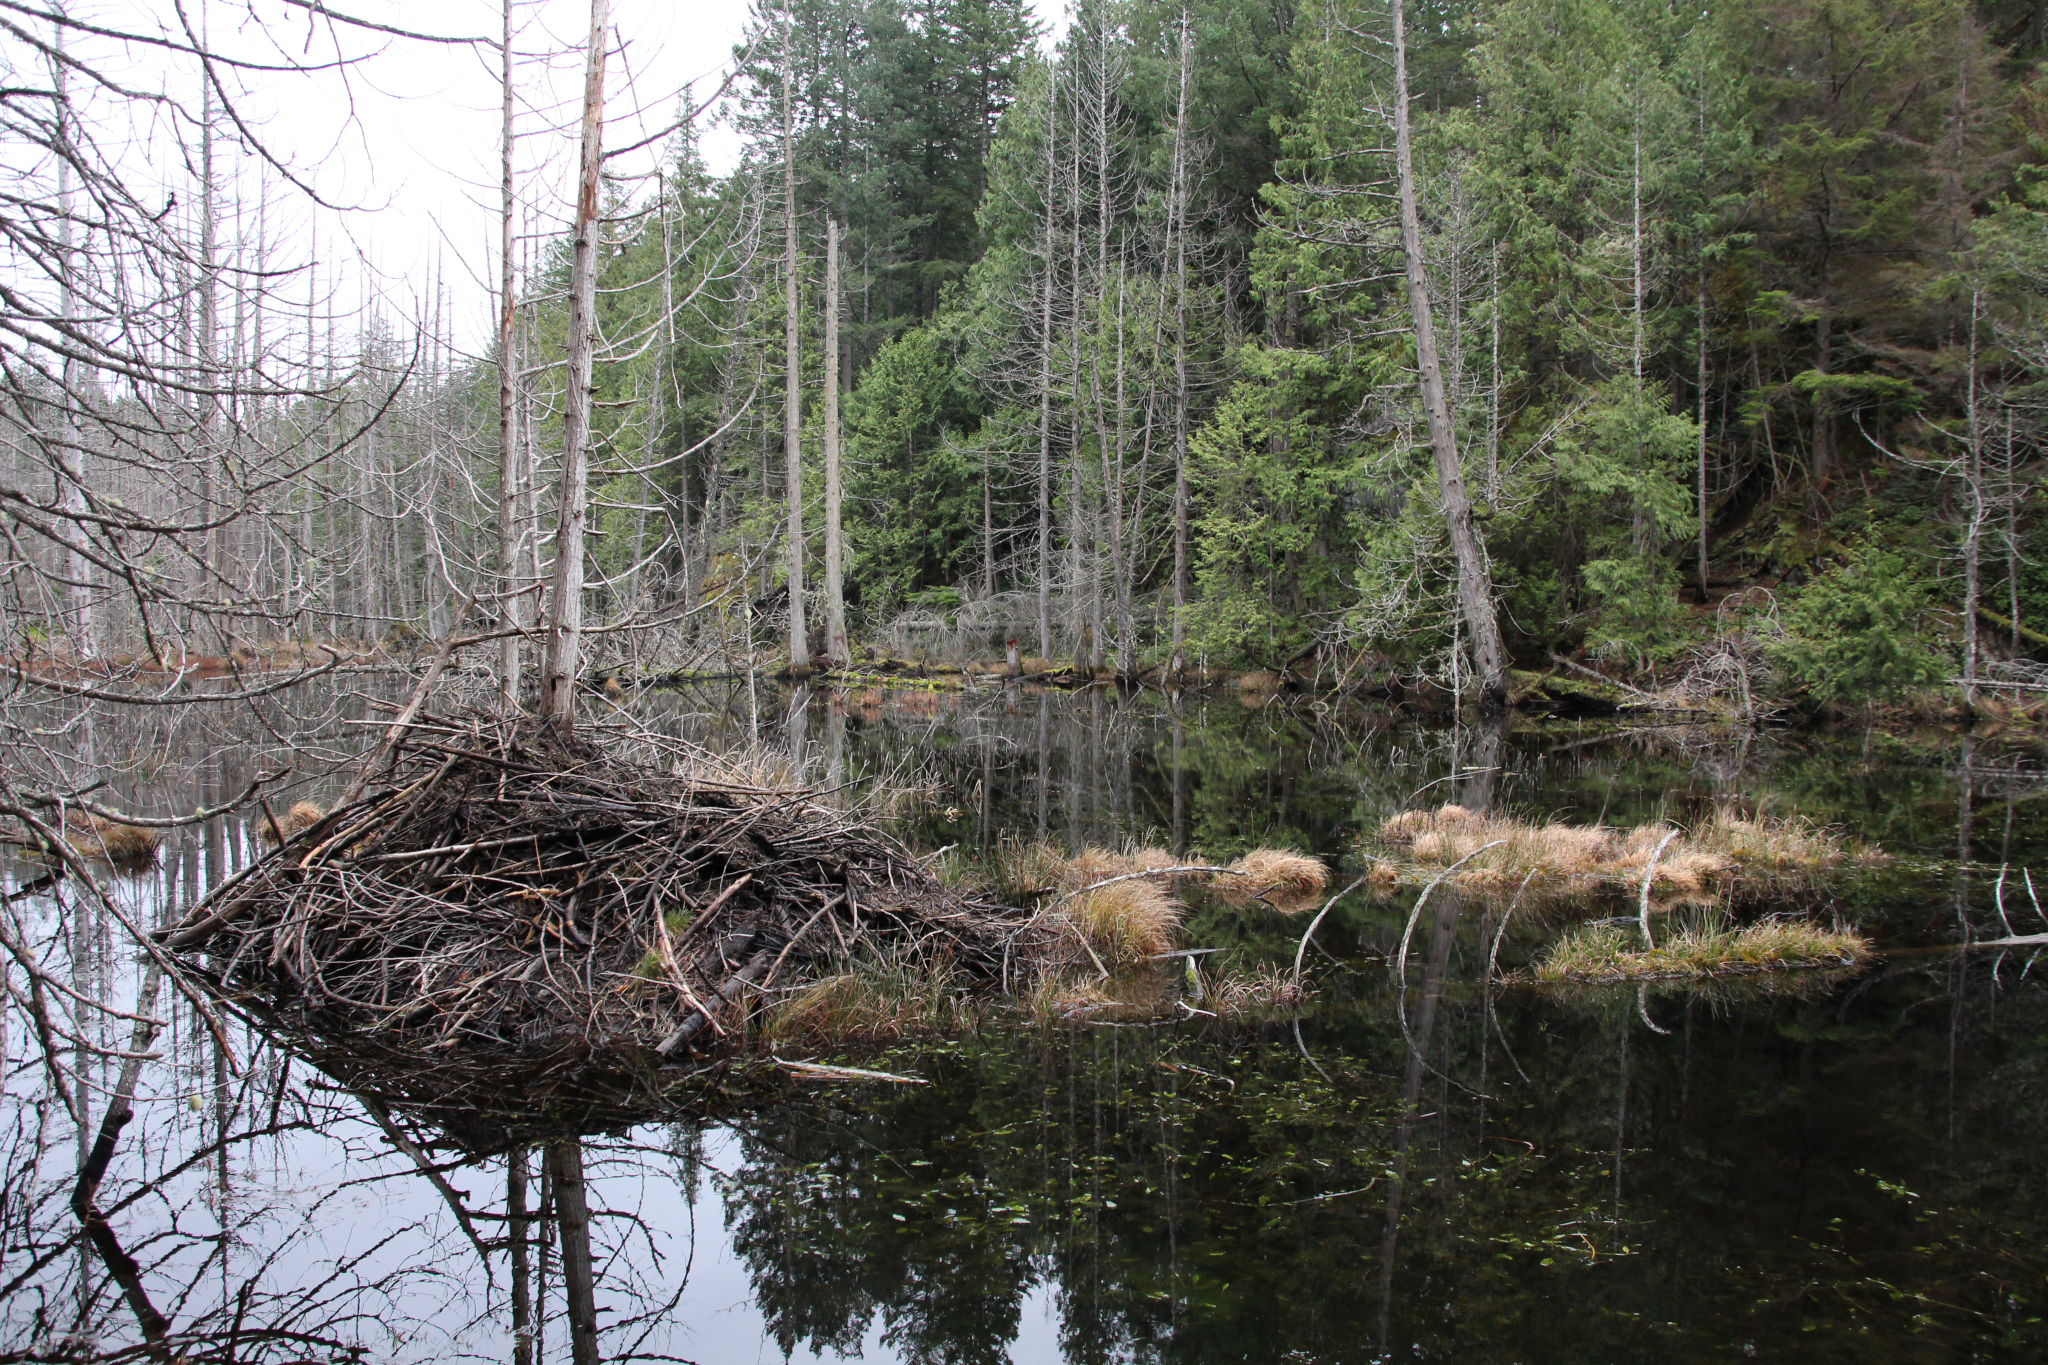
301 817
1722 845
1606 952
128 848
1125 921
1290 882
1264 991
1093 865
874 1003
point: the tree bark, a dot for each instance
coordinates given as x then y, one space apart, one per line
1045 370
516 1233
573 1219
1973 536
513 612
1475 580
835 586
1178 226
70 441
792 399
565 597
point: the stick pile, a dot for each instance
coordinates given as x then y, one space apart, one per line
514 907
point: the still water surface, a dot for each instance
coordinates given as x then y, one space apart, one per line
1850 1170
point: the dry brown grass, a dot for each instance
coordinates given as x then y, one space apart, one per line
302 816
1290 882
1027 870
1581 856
128 848
1607 952
1093 865
1259 680
1125 921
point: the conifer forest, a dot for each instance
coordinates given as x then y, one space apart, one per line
1349 342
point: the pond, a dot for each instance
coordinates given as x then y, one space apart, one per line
1447 1168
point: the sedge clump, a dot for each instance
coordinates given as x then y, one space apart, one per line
1290 882
1123 922
1499 851
1605 952
876 1002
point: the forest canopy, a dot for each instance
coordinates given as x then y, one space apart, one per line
1727 306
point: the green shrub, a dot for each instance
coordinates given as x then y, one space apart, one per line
1858 632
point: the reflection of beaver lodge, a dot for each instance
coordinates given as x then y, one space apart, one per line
515 911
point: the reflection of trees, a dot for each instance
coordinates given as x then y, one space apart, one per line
1178 1217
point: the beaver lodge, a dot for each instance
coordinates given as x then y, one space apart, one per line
515 923
514 915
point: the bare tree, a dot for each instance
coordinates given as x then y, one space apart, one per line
1475 578
565 596
792 409
835 593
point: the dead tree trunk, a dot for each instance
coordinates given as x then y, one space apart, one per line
1045 371
1475 579
835 586
565 595
514 611
1178 226
792 406
516 1234
579 1288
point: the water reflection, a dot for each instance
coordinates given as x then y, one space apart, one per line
1843 1168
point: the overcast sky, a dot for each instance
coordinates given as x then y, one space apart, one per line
404 140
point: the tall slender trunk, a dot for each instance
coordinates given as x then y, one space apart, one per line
209 366
1493 387
1973 536
1640 513
1475 581
1700 421
1078 587
792 394
1045 368
1700 343
1113 481
565 596
516 1233
70 440
1177 225
565 1159
835 585
514 612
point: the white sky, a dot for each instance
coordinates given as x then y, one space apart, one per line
405 140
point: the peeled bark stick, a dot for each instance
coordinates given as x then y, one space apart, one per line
734 984
1648 873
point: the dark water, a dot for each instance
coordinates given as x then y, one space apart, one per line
1445 1170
